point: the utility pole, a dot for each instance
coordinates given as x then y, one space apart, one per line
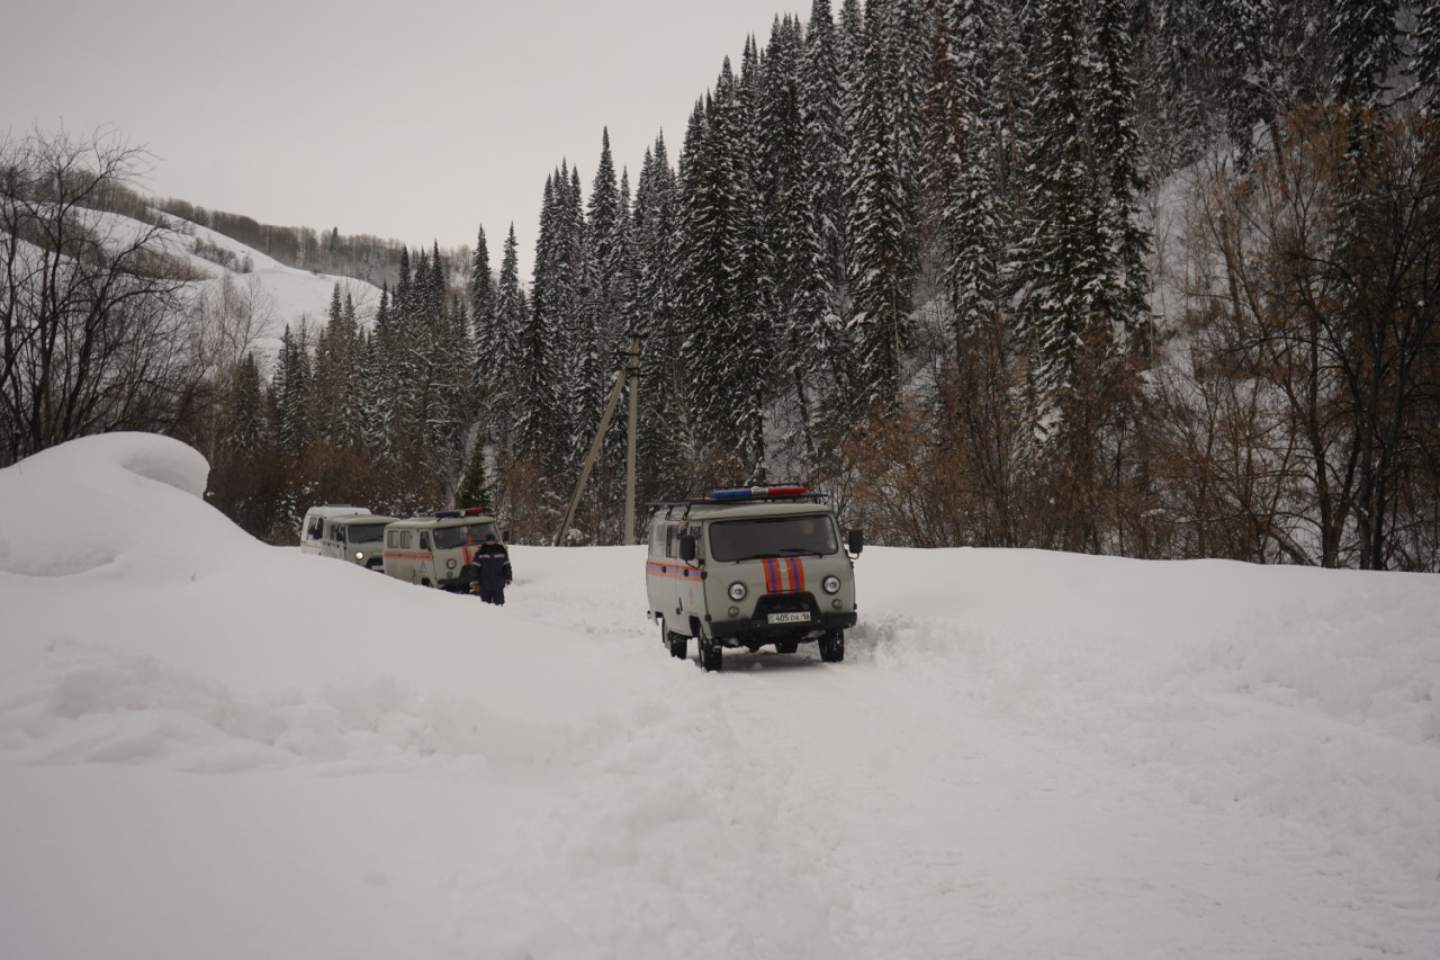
632 365
629 370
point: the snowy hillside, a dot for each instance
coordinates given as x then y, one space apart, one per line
282 295
290 293
214 748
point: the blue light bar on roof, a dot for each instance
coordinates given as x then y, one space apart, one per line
446 514
758 493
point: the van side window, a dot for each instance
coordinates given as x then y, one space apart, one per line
316 527
424 539
669 539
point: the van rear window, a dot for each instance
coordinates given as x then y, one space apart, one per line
448 538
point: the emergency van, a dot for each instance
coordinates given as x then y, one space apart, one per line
359 540
433 551
748 567
315 528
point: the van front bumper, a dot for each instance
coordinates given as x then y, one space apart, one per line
762 631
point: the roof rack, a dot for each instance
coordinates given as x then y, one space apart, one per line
741 497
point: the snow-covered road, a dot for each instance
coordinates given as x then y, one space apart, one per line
213 748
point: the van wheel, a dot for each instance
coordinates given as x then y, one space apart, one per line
675 641
425 583
710 658
832 646
787 646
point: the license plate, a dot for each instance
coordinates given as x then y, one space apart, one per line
801 617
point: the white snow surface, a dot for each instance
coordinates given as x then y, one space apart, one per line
214 748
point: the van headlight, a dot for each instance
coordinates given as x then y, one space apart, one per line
359 555
450 564
737 591
831 584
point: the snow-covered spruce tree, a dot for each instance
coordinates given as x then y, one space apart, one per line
850 47
378 398
291 389
1121 297
754 358
883 212
482 301
533 397
351 386
663 414
503 381
909 39
1366 43
593 325
796 230
962 133
1425 60
1065 253
375 399
713 299
291 393
822 107
474 489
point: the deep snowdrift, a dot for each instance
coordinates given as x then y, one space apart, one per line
211 747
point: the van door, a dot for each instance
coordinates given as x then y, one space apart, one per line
313 533
654 563
428 564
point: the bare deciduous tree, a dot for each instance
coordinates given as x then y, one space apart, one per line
91 330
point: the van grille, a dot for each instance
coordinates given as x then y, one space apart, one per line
786 603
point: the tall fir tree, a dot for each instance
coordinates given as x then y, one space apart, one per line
882 216
1425 58
1120 179
824 146
1366 40
482 301
1065 256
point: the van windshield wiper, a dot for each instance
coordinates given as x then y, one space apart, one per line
785 552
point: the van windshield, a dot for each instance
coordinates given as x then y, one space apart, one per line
773 537
364 533
448 538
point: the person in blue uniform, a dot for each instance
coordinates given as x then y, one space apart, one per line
490 570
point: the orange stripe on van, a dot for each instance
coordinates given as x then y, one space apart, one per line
670 571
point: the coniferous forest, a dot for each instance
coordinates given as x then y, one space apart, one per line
1158 278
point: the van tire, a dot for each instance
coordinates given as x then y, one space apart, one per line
832 646
711 660
677 642
425 582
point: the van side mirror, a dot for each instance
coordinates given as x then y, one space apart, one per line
687 547
857 541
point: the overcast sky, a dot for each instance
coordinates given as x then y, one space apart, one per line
414 120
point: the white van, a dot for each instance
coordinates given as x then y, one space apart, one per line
433 551
314 529
751 566
358 540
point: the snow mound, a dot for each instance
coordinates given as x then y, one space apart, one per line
91 503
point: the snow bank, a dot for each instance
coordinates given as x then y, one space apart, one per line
209 746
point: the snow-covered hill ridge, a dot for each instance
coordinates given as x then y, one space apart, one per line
280 295
1027 754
